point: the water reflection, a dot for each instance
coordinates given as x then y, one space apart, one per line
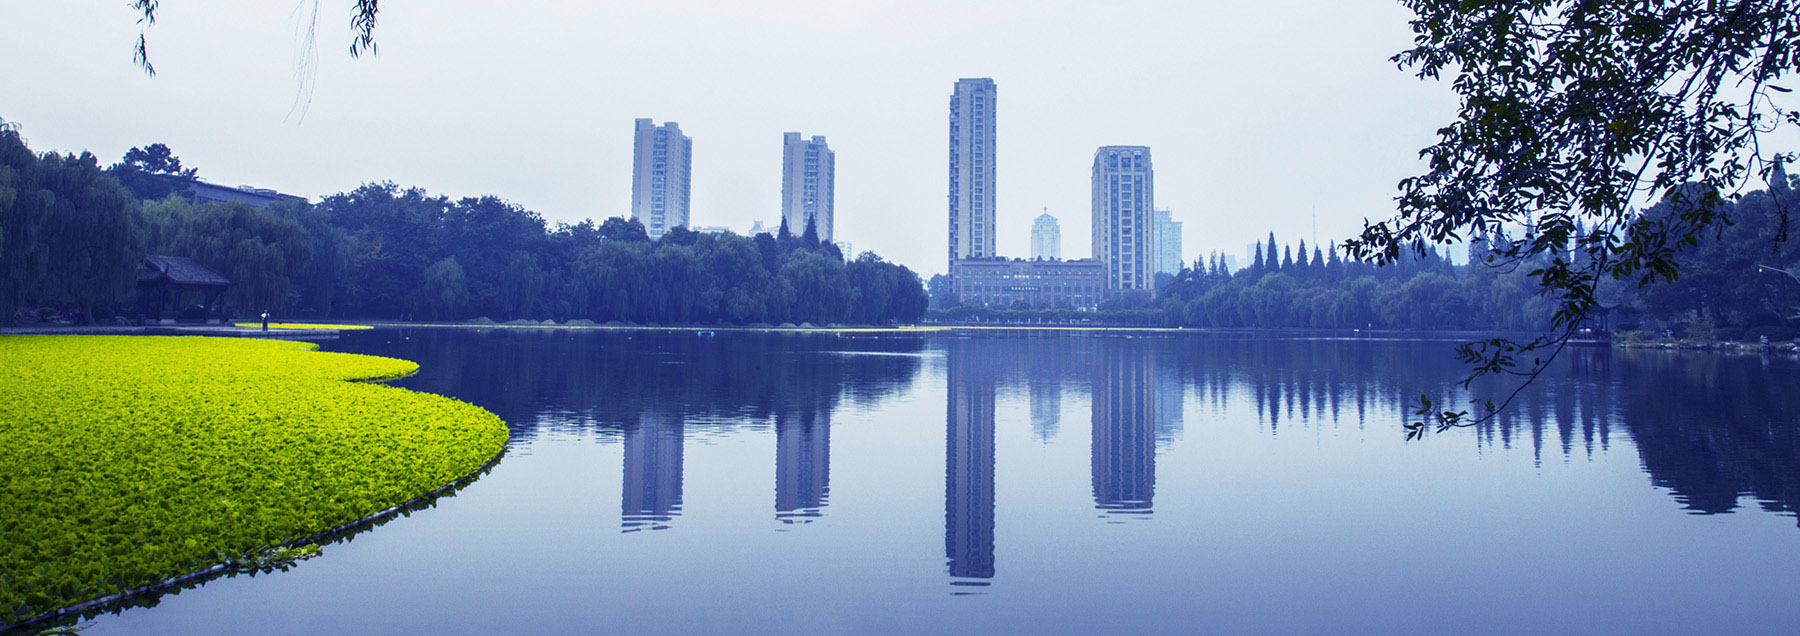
802 463
652 493
1711 429
650 391
1275 469
971 372
1048 365
1046 408
1129 410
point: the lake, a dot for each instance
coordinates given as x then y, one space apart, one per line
808 483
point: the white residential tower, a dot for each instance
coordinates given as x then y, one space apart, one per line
660 158
808 177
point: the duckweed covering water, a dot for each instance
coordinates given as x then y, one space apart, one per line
128 460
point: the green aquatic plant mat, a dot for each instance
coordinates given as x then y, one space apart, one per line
127 460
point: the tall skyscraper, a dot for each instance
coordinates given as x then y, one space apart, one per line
808 175
972 169
1168 242
659 176
1124 194
1046 238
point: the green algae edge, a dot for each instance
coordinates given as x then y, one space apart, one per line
119 601
124 600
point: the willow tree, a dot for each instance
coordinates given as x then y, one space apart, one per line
24 208
1583 112
260 251
93 240
445 290
362 29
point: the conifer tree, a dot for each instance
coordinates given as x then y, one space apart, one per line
809 238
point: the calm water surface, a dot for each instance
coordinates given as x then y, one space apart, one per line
806 483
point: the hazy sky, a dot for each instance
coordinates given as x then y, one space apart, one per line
1257 112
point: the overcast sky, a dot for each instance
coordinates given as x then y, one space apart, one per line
1257 112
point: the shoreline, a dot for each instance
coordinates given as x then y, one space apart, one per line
276 331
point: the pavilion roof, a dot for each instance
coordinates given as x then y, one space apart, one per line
179 270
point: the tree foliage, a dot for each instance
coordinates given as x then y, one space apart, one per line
259 250
1574 114
153 172
446 290
24 211
1422 292
514 266
93 238
72 237
69 234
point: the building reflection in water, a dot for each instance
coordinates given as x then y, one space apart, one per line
802 463
1126 418
969 461
1170 402
1047 363
1046 407
652 490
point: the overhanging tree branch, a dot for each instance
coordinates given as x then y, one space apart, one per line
1578 112
362 29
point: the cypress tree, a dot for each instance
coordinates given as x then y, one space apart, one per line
809 238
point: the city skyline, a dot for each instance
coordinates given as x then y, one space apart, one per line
1232 105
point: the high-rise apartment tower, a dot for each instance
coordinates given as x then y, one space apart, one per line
971 194
1168 242
808 177
1124 194
660 159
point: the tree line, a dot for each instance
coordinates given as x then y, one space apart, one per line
1319 289
1743 283
73 236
